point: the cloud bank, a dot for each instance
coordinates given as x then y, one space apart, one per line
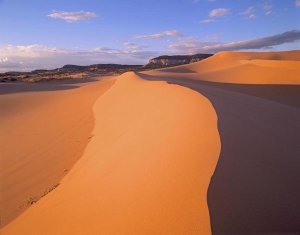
30 57
191 45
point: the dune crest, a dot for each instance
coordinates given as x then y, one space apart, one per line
145 171
241 67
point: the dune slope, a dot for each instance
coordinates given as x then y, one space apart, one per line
258 175
44 130
241 67
255 187
145 171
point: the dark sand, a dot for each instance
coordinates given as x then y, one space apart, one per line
256 186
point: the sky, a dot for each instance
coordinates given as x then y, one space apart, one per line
48 34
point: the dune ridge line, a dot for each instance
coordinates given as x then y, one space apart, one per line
145 171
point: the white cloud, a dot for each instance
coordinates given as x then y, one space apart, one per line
133 47
297 3
3 60
106 50
249 13
169 33
207 21
30 51
219 12
268 8
188 46
72 16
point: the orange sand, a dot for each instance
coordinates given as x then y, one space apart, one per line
241 67
154 148
42 135
254 189
145 171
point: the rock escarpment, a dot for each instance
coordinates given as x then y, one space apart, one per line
165 60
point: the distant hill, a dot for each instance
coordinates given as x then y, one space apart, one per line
71 71
68 72
97 68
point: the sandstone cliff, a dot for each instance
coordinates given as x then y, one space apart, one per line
165 60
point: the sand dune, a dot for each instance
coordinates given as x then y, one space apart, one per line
241 67
257 175
155 146
145 171
44 130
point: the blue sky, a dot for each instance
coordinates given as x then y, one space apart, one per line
48 34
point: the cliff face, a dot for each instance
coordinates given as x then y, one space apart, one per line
163 61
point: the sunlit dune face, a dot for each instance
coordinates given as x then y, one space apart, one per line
145 171
42 135
241 67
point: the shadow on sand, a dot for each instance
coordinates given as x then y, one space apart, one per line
16 87
255 188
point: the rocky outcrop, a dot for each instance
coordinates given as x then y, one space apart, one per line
166 60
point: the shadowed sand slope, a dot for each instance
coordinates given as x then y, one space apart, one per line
44 130
241 67
255 187
145 171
